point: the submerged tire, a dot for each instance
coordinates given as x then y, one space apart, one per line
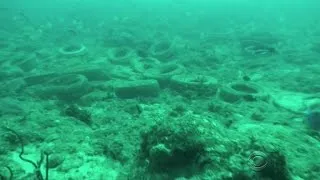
120 55
242 91
198 85
25 63
163 73
65 87
162 50
73 50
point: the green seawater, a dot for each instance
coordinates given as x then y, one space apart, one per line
159 90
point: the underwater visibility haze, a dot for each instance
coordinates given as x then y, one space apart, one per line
160 90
